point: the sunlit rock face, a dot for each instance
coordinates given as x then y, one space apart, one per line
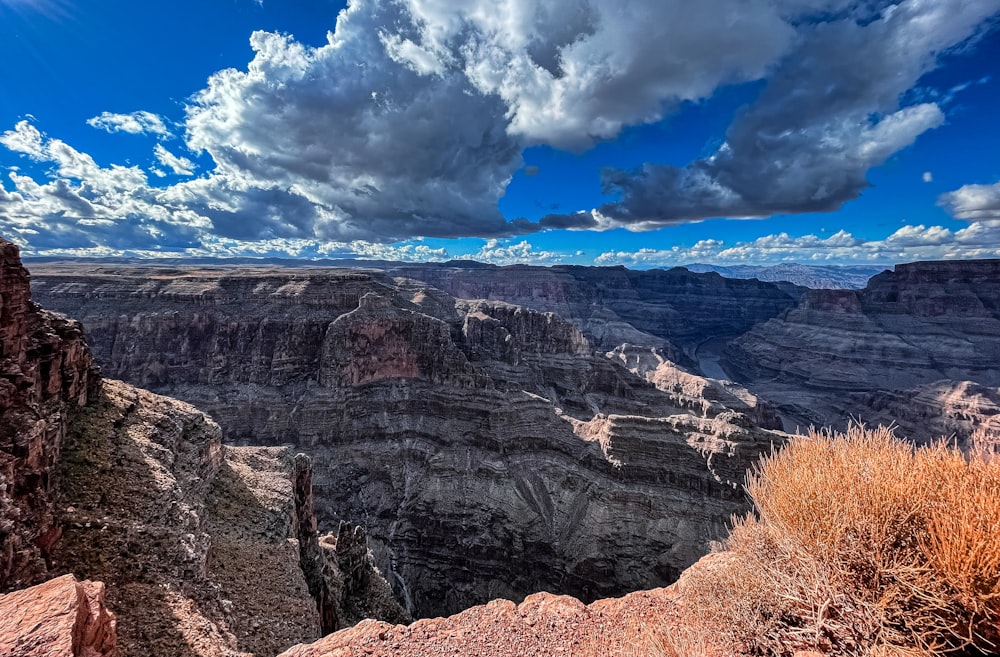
919 346
203 547
60 617
487 449
544 624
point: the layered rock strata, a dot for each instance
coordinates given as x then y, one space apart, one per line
46 372
928 332
672 309
487 449
207 550
833 277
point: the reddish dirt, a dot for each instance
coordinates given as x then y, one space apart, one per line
544 624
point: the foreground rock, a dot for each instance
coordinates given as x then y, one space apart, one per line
927 332
544 624
488 450
46 372
60 618
197 543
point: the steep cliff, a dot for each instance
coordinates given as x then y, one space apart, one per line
46 371
486 449
914 333
202 547
670 309
206 550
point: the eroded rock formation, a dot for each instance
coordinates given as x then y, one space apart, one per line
196 542
487 449
673 309
206 550
46 371
919 346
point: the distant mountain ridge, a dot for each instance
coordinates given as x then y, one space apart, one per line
843 277
828 277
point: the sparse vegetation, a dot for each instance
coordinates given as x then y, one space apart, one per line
860 544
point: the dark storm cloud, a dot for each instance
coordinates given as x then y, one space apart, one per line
412 120
828 114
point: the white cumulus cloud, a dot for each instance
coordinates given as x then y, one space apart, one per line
134 123
412 118
973 202
181 166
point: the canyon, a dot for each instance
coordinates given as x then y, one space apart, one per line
488 450
142 532
319 446
915 347
919 347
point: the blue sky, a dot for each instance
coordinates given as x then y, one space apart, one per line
647 133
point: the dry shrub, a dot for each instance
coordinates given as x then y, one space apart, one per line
862 545
961 543
683 641
675 639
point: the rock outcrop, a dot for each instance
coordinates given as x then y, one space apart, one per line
61 618
487 449
46 371
916 333
544 624
200 545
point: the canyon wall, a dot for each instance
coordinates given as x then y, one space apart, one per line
205 550
487 449
919 346
615 305
46 372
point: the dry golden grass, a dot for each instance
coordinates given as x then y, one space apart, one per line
861 545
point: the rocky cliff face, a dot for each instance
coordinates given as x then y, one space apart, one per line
615 305
196 542
486 449
46 371
914 334
206 550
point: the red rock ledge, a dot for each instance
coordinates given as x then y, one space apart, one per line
544 624
60 618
